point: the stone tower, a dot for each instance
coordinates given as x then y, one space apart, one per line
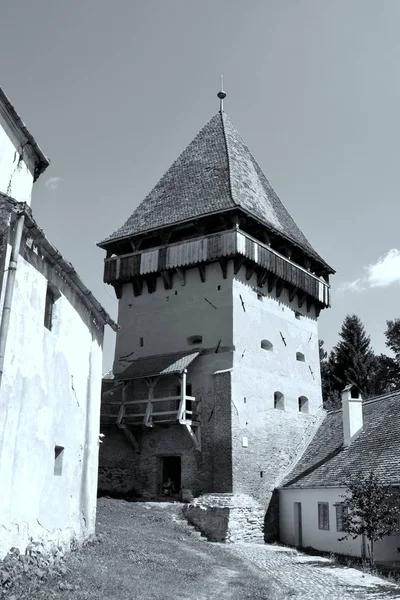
216 380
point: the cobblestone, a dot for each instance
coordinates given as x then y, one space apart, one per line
311 577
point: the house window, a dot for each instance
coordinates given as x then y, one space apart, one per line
341 512
266 345
300 356
58 460
48 309
279 401
303 404
195 339
323 516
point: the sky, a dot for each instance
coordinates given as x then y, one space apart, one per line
114 91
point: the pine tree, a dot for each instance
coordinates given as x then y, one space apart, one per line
330 396
352 359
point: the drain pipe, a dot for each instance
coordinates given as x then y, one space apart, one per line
12 270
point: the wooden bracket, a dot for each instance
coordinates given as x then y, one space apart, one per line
182 275
224 266
272 281
137 285
202 271
250 268
262 279
292 294
279 287
151 281
167 279
309 303
118 289
301 297
239 260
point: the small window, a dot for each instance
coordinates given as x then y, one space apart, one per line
218 287
266 345
341 512
303 404
52 295
300 356
323 516
279 401
195 339
141 342
58 460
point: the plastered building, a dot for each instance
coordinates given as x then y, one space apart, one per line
216 380
51 336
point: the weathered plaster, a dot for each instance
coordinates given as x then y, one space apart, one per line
50 397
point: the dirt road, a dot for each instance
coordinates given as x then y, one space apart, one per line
147 554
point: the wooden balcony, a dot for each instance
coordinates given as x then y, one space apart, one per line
174 258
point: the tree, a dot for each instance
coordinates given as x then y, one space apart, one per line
371 509
392 335
330 396
352 359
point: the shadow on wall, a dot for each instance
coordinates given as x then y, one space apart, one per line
271 520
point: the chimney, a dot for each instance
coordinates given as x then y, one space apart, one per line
352 413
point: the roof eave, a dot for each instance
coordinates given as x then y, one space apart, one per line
41 160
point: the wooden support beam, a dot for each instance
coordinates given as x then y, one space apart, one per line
182 403
317 309
224 266
307 263
199 226
292 293
165 236
148 415
137 285
202 271
309 303
194 433
279 287
167 279
238 263
250 268
182 275
130 437
301 297
272 281
262 279
151 281
266 237
118 289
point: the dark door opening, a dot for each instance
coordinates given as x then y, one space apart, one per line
171 475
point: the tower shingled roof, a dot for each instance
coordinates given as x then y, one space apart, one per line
214 174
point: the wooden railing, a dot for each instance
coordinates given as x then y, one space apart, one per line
147 411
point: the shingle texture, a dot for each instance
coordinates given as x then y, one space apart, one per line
377 448
215 173
162 364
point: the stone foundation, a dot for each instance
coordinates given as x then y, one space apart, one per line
227 517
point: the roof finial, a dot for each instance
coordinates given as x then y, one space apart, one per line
221 95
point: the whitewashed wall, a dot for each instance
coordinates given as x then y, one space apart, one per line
16 177
323 540
50 396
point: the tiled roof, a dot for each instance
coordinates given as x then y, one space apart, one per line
377 448
215 173
162 364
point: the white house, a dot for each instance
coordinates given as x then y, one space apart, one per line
358 438
51 336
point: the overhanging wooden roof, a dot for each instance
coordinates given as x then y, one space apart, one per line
153 366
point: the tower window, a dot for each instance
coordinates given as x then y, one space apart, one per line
195 339
303 404
300 357
58 460
141 342
266 345
279 401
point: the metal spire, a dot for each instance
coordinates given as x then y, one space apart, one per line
221 95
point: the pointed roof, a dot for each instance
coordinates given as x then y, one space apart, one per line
214 174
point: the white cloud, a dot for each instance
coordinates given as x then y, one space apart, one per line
384 272
53 182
